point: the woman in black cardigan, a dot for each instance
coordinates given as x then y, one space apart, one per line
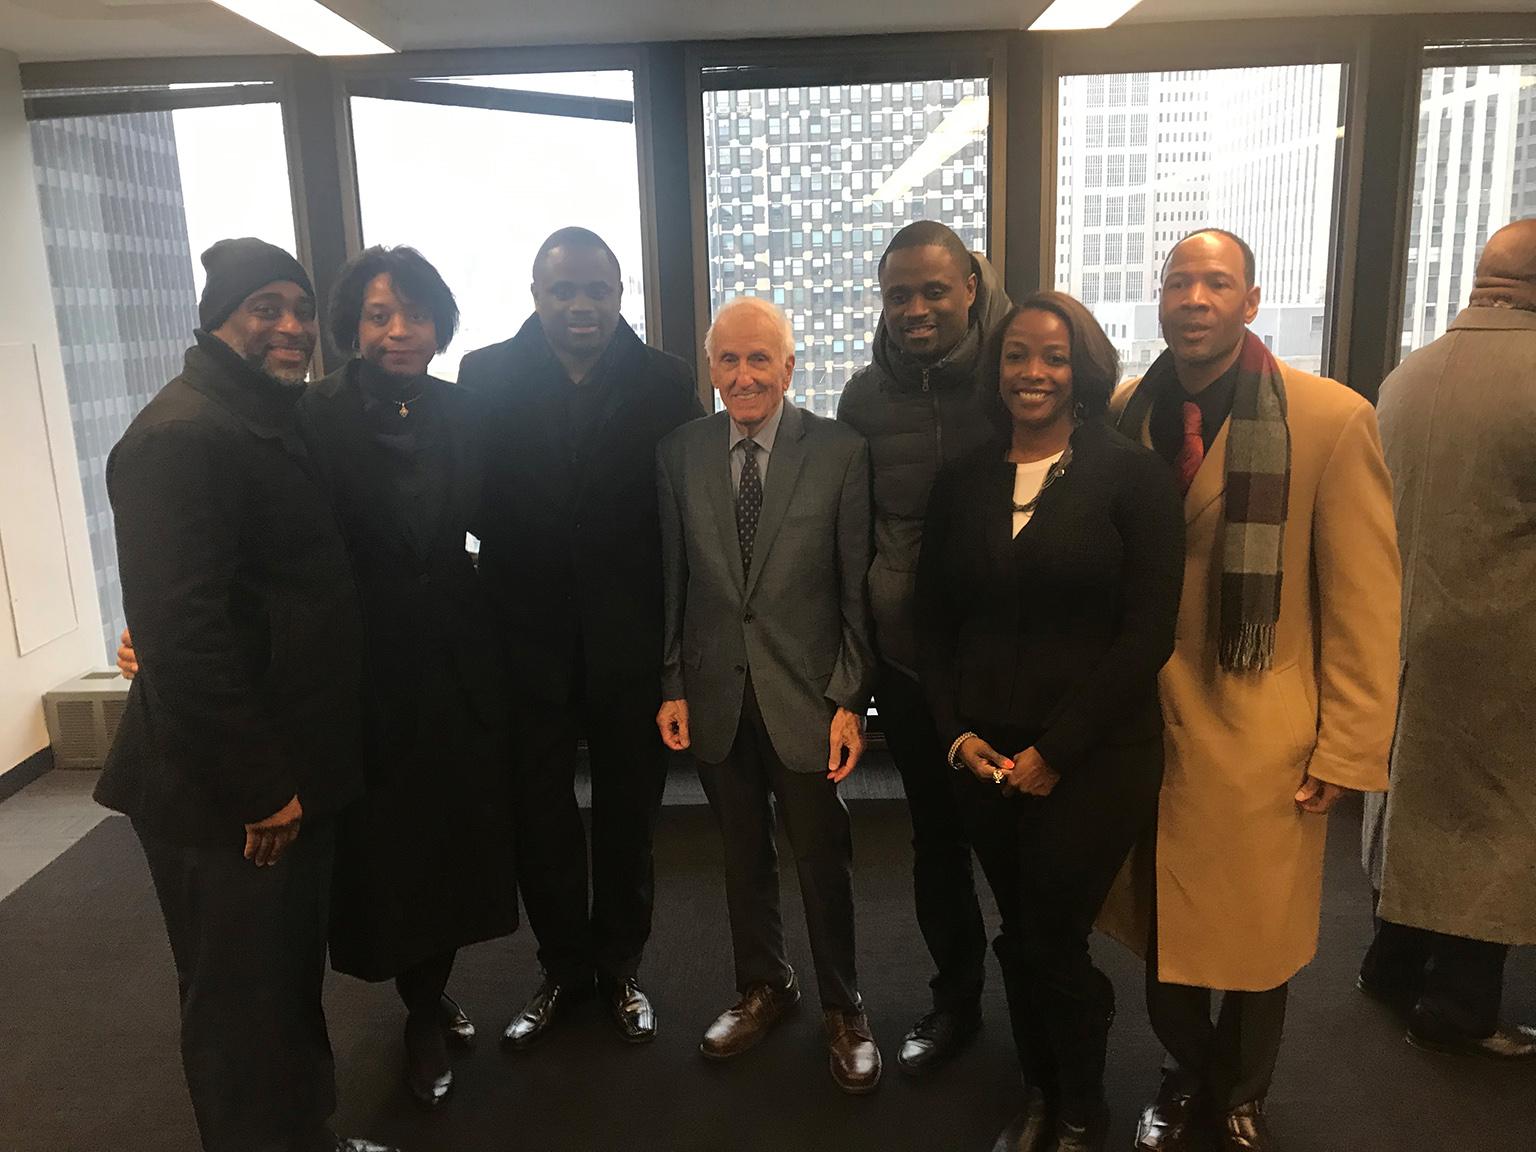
424 862
1048 589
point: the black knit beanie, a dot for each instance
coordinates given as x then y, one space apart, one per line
236 268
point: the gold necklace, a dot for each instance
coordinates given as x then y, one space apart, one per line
405 405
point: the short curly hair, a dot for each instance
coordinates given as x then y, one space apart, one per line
1095 363
414 278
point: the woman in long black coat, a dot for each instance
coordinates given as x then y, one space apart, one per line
1048 588
425 860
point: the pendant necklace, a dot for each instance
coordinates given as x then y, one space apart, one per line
405 405
1056 471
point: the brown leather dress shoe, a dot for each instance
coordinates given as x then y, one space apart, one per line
1168 1123
751 1018
851 1051
1244 1129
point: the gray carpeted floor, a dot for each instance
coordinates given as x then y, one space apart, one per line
88 1057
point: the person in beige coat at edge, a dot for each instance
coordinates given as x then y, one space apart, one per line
1280 694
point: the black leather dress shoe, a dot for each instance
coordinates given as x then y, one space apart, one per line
935 1038
427 1074
1168 1123
1244 1129
358 1144
632 1012
1517 1043
551 1001
1031 1129
1087 1132
460 1029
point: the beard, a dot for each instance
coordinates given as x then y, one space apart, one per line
282 373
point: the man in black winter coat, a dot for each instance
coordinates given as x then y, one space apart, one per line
570 546
921 405
239 744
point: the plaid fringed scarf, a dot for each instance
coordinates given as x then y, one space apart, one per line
1258 484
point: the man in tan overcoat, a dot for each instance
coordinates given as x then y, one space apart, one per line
1280 694
1450 846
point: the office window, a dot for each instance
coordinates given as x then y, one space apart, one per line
480 210
1093 211
1091 249
1252 150
129 202
937 135
1467 185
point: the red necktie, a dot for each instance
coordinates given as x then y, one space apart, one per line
1191 449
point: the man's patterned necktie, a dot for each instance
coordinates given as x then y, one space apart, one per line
749 502
1191 449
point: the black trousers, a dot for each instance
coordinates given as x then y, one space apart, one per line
1230 1060
629 773
943 884
743 791
1457 983
249 945
1051 862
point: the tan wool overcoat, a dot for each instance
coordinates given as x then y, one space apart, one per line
1239 867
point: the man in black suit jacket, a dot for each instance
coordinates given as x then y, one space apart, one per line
570 548
239 743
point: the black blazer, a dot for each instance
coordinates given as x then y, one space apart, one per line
1059 632
239 594
571 548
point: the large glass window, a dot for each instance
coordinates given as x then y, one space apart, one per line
1474 172
878 157
1251 150
128 203
476 171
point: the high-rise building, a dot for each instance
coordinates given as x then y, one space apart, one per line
115 230
1145 158
806 186
1474 171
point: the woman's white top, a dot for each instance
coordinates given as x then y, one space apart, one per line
1027 479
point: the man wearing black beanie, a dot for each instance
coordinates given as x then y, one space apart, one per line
239 743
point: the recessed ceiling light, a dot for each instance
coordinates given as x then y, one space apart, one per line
310 25
1064 14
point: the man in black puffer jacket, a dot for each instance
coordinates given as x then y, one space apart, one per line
921 405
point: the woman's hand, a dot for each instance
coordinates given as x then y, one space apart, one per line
984 761
1031 775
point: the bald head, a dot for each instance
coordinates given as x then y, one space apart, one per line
1506 272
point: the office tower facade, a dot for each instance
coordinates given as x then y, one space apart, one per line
116 236
1145 158
806 186
1474 171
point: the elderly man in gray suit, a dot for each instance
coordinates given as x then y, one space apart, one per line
768 667
1449 847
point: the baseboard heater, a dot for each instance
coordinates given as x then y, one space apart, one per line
82 716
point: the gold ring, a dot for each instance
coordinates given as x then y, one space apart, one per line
997 775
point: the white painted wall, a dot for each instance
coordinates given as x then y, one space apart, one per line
26 318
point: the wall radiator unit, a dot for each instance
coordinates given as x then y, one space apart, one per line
82 716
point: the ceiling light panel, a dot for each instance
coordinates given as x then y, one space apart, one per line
310 25
1065 14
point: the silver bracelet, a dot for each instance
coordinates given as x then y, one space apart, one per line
954 749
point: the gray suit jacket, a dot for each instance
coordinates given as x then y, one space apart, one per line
800 619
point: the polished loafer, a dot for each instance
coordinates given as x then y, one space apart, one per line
935 1038
852 1054
457 1025
1517 1043
1244 1129
1031 1130
551 1000
745 1023
632 1011
1168 1123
